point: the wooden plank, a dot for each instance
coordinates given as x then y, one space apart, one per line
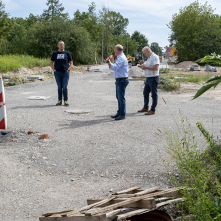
133 213
147 191
131 200
113 214
78 217
169 202
145 203
74 211
139 193
163 199
88 207
127 190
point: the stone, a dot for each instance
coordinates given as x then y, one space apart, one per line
78 111
38 77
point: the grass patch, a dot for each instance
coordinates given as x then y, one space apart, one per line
12 62
200 172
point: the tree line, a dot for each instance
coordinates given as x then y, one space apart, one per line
38 35
195 32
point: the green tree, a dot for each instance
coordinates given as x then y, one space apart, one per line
90 21
120 23
6 24
195 32
141 39
125 41
156 48
106 18
54 10
43 38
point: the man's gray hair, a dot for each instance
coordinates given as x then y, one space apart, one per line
119 47
146 48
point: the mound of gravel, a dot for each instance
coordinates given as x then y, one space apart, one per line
135 71
185 64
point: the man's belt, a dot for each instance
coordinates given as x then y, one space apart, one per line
118 79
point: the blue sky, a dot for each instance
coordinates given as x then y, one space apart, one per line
146 16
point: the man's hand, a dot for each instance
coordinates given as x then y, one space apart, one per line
109 58
143 67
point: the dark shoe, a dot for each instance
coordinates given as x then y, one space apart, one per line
120 118
115 116
150 112
143 110
59 103
66 103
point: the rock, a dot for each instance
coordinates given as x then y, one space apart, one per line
44 136
72 179
45 158
30 132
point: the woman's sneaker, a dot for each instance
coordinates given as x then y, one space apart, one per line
59 103
66 103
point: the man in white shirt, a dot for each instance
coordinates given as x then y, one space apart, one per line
151 70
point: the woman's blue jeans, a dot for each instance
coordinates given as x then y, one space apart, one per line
62 79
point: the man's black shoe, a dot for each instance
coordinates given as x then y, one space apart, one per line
120 118
115 116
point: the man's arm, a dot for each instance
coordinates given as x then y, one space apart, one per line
153 68
117 65
70 65
52 66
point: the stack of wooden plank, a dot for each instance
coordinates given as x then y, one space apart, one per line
121 205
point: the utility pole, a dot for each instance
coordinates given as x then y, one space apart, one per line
127 45
102 47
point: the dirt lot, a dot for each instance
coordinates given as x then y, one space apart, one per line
89 155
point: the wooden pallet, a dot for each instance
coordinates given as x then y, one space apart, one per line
120 205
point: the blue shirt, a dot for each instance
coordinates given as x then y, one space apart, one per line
61 60
120 68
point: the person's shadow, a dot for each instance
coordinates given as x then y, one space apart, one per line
85 123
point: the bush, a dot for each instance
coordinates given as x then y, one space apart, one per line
43 39
199 172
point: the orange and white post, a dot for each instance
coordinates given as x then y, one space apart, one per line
3 117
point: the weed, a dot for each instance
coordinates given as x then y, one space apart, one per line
199 172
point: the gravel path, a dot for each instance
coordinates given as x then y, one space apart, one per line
87 155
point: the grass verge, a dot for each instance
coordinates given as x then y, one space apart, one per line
12 62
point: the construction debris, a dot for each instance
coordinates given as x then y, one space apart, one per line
121 205
209 68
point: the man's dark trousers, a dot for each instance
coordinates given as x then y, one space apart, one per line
62 79
151 85
120 95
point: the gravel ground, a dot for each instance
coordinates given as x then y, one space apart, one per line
89 155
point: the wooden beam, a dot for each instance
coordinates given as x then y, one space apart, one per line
78 217
139 193
132 213
127 190
74 211
145 203
88 207
169 202
131 200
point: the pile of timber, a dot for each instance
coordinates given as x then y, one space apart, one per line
121 205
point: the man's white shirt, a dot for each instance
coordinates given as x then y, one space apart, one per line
151 61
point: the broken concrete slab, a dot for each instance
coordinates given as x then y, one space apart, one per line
38 77
78 111
38 97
